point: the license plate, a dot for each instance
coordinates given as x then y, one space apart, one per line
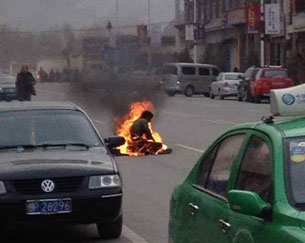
47 207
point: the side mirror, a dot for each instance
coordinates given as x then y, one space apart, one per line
249 203
114 142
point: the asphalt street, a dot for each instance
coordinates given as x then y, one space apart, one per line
187 125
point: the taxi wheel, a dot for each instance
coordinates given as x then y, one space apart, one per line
110 230
212 96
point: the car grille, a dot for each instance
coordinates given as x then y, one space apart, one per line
33 187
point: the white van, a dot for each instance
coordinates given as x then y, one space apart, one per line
188 78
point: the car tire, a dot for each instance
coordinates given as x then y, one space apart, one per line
257 100
189 91
171 93
206 94
239 98
221 96
110 230
212 96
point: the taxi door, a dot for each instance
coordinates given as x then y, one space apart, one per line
207 203
253 174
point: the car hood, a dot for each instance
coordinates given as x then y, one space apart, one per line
58 163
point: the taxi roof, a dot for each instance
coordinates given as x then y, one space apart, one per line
287 127
34 105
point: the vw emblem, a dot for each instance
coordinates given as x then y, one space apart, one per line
47 186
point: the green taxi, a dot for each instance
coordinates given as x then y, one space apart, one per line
249 186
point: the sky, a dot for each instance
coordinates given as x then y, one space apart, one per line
43 14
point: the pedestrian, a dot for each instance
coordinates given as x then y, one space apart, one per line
25 84
52 76
57 76
141 136
43 75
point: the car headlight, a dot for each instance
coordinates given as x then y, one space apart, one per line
2 188
178 82
107 181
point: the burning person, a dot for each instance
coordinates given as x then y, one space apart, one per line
141 136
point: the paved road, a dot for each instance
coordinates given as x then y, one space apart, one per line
188 125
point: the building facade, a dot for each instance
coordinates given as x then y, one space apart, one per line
228 41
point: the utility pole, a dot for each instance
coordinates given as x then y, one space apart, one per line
262 45
195 29
149 61
116 34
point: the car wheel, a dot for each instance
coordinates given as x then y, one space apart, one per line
189 91
239 97
257 100
221 96
110 230
171 93
212 96
206 94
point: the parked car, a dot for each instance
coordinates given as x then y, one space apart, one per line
8 91
55 169
225 85
188 78
243 93
267 78
247 187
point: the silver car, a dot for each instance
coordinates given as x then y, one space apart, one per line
225 85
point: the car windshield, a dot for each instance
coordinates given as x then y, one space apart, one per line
46 127
6 79
232 76
275 73
295 161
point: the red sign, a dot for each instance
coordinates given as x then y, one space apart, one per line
253 19
142 33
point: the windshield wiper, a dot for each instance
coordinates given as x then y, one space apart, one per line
23 146
46 145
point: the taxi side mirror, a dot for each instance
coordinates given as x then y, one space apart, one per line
249 203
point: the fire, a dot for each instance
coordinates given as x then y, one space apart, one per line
123 128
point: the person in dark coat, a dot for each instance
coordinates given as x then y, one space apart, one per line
143 141
25 84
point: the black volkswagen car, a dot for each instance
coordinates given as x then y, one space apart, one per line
55 168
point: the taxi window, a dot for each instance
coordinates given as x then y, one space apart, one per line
214 172
255 173
295 165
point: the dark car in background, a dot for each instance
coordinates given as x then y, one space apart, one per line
55 169
8 91
258 82
243 91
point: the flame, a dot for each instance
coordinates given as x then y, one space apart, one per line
123 127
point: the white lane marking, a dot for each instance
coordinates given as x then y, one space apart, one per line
221 121
132 236
258 111
190 148
216 121
49 92
98 121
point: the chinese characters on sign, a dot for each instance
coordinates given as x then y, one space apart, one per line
253 19
272 19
